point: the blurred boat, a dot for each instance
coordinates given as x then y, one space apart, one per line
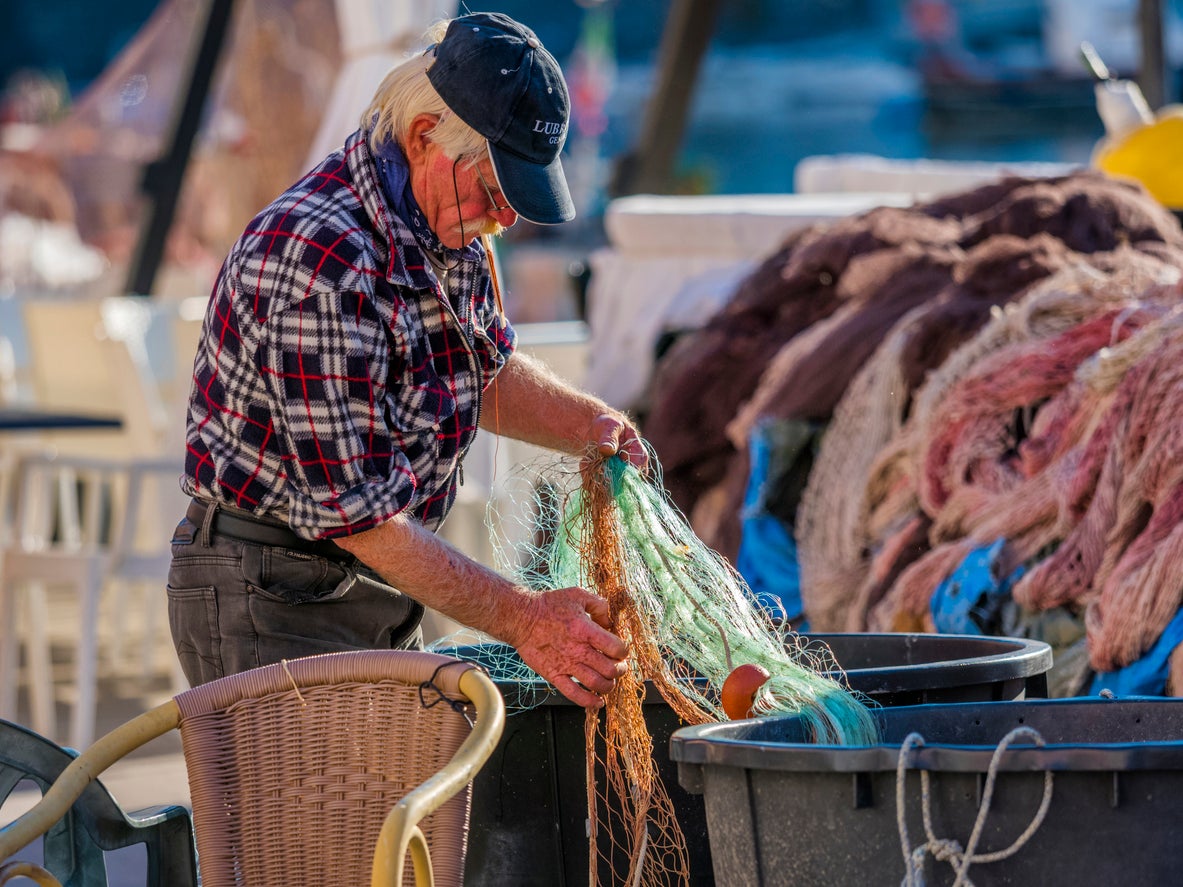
1018 63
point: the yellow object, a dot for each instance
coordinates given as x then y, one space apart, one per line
274 753
30 870
1150 154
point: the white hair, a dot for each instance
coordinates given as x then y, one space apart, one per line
405 93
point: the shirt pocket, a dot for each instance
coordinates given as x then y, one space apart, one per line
422 399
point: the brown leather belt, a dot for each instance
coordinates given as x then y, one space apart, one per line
239 525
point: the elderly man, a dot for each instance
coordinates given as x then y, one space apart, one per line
353 343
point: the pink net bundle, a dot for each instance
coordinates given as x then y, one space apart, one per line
1006 456
946 472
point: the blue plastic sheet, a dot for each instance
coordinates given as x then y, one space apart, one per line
1148 675
967 600
767 557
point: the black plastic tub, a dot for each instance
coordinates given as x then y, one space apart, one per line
781 812
529 802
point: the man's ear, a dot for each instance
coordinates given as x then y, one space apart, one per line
417 135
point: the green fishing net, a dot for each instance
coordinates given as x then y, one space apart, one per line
692 608
689 620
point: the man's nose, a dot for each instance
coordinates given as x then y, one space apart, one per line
506 217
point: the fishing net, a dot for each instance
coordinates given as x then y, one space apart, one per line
903 472
689 620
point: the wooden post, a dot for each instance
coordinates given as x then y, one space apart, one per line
648 167
164 176
1152 69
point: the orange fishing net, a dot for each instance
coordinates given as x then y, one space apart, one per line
630 797
689 620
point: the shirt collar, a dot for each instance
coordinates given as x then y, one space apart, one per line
394 176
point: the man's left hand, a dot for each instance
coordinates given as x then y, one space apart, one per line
612 434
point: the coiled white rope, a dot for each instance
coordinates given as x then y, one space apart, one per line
947 849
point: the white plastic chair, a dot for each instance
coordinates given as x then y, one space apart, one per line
75 525
53 540
89 510
89 355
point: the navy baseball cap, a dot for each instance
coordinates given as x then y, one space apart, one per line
497 77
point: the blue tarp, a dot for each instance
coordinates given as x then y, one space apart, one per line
1148 675
767 557
965 602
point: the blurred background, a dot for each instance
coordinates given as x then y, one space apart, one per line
715 146
721 97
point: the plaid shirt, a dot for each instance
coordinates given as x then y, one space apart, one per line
337 383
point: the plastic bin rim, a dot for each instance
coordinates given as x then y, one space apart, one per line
698 747
1025 658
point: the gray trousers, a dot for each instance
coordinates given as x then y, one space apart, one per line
235 605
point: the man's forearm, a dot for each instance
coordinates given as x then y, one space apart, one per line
560 633
425 567
528 402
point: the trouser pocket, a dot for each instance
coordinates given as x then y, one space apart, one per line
301 604
235 605
291 577
193 621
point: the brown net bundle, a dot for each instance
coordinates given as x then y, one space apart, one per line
831 529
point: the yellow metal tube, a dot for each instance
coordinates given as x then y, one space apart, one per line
398 833
29 870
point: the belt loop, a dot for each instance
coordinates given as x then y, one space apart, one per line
207 524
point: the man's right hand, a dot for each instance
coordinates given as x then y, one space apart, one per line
563 635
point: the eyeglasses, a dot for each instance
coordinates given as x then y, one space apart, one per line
497 208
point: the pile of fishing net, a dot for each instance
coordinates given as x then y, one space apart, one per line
688 619
1053 437
988 390
792 338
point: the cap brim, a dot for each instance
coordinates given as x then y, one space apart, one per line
536 192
